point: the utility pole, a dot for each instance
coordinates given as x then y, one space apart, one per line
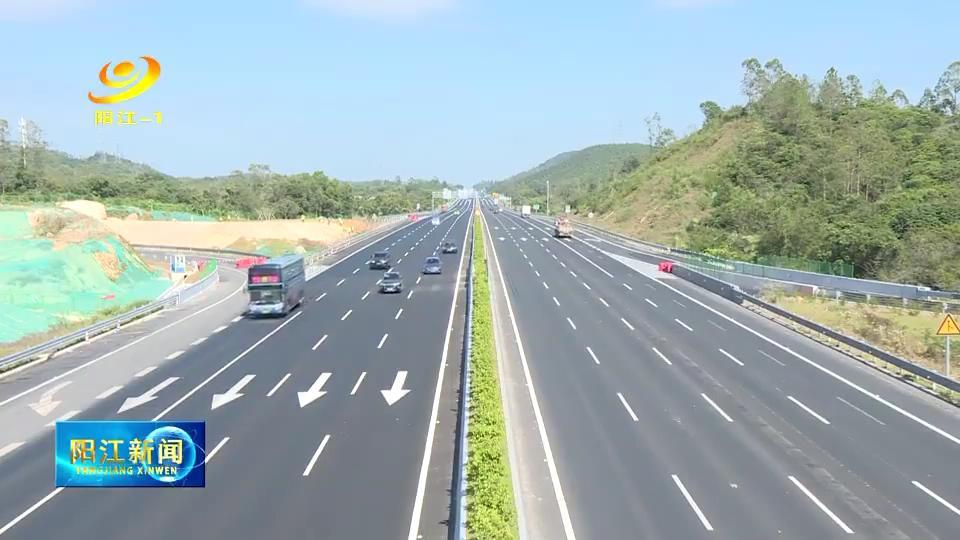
548 197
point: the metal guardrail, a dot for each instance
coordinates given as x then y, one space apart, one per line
862 346
112 324
459 494
890 301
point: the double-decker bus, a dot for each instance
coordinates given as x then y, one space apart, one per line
276 286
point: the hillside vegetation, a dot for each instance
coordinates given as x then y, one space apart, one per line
816 170
572 175
38 174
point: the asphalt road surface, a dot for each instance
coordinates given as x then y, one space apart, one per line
641 406
338 424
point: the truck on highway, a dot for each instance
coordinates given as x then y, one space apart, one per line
276 286
562 227
525 211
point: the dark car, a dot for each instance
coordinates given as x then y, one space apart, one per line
391 282
432 266
449 247
380 261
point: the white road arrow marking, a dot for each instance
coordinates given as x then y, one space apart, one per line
233 393
147 396
315 392
45 405
396 392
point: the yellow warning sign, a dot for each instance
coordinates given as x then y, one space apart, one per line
948 327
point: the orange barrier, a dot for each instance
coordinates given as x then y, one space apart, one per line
247 262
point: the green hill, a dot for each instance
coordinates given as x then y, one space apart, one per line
805 169
572 175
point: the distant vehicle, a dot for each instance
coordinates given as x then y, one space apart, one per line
276 286
449 247
380 261
391 282
562 227
525 211
496 209
432 266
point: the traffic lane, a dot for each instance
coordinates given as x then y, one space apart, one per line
203 405
687 432
876 472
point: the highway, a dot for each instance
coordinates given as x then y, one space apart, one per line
336 421
640 406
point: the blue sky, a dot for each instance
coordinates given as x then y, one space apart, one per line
465 90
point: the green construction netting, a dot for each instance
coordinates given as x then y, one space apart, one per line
41 286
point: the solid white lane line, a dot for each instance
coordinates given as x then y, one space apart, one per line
730 356
649 301
409 294
384 338
809 410
595 361
320 341
219 329
555 301
397 316
144 371
173 355
198 341
317 299
357 270
316 455
624 321
602 301
237 318
347 314
716 407
627 407
278 385
865 413
717 325
692 503
587 286
365 295
339 283
662 357
109 392
545 286
571 323
537 413
68 415
681 323
225 367
10 448
629 288
216 449
820 505
357 386
770 357
926 490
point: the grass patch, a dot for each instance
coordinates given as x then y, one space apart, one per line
491 511
63 329
208 268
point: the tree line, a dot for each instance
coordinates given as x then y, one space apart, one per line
32 172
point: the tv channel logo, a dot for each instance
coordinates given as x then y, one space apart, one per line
109 453
128 78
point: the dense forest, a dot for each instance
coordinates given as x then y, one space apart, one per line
821 170
35 173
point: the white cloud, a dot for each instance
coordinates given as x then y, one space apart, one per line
31 10
389 9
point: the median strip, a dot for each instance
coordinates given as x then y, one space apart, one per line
491 511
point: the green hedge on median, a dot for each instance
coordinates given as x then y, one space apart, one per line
491 512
